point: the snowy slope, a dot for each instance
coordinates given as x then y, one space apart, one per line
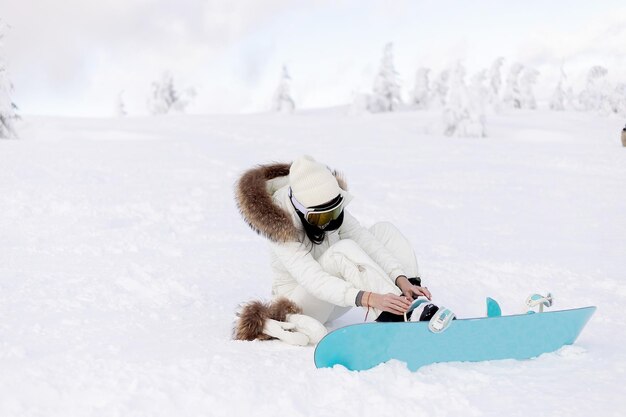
122 257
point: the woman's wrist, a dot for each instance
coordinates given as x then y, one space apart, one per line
400 280
367 299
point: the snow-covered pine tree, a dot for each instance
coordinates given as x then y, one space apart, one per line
440 88
420 96
8 108
557 101
479 92
618 99
597 92
386 91
462 115
169 94
570 98
155 103
528 79
559 96
495 80
165 97
282 101
512 96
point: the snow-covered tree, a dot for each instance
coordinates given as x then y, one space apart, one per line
420 96
618 99
479 92
570 98
557 101
512 96
165 97
528 79
495 79
120 107
462 115
8 108
559 96
386 92
597 93
440 88
282 101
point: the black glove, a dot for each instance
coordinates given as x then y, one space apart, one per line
416 281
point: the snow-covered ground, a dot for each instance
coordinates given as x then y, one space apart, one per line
123 256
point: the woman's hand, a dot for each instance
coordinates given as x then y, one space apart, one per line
411 291
396 304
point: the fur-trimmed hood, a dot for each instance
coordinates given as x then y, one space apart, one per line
260 196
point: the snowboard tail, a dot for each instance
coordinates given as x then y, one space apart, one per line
363 346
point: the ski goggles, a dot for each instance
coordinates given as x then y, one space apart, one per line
319 216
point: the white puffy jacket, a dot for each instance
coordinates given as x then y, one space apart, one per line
263 199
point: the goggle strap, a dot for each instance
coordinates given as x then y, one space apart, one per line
305 211
297 204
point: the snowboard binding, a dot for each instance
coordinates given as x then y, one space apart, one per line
409 314
538 301
441 320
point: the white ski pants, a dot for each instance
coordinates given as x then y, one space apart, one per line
345 259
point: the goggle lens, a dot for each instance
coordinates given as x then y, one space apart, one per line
323 218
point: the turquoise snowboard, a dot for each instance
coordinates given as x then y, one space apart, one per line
363 346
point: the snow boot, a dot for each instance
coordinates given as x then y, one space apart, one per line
422 311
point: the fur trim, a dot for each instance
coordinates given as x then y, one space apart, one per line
250 321
251 317
258 209
281 307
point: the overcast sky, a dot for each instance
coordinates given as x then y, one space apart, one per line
73 57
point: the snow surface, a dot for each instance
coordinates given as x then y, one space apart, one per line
123 256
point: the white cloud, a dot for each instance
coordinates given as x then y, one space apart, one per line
599 41
73 57
72 54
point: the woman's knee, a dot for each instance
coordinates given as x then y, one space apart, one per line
391 237
344 258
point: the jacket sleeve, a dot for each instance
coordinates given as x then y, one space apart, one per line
352 229
308 272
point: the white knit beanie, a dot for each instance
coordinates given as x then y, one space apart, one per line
312 183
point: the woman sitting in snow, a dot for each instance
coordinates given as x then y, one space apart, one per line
324 261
